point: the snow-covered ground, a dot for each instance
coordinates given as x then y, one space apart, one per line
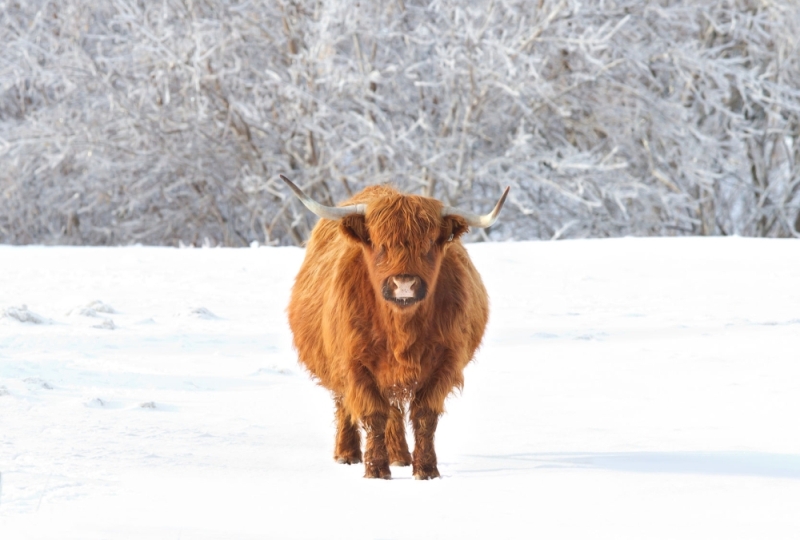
627 388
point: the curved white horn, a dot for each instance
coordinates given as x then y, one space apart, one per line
327 212
476 220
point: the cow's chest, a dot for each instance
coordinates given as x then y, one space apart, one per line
400 372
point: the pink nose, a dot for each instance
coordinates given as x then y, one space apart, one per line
405 286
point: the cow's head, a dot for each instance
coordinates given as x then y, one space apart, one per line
403 238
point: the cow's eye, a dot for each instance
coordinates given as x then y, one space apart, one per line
430 255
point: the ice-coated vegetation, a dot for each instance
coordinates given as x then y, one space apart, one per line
168 122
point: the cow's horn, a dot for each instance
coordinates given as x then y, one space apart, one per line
327 212
475 220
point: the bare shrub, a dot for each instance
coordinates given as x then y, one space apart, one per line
168 122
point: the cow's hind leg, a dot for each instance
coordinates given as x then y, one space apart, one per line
348 439
396 444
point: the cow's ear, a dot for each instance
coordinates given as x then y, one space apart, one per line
454 227
355 228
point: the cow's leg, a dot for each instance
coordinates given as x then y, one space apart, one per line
376 457
425 409
348 439
366 402
396 438
424 421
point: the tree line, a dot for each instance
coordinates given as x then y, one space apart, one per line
168 122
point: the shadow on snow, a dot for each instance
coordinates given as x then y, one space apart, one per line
760 464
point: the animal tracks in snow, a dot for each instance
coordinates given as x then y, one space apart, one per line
97 314
107 324
130 405
24 315
199 313
36 382
92 309
272 370
99 403
599 331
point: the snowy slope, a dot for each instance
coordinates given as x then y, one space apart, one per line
627 388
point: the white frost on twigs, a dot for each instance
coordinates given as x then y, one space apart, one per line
624 118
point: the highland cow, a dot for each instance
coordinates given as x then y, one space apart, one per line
386 311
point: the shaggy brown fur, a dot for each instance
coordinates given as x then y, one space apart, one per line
376 355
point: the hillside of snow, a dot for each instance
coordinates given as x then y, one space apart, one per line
626 388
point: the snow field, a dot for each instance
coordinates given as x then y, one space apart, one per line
626 388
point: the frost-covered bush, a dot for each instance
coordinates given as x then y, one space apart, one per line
165 122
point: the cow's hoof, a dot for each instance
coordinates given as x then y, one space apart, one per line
426 473
382 476
348 460
378 472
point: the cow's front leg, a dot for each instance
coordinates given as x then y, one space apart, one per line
396 438
376 456
425 409
372 409
424 421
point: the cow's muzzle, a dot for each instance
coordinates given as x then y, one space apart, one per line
404 289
